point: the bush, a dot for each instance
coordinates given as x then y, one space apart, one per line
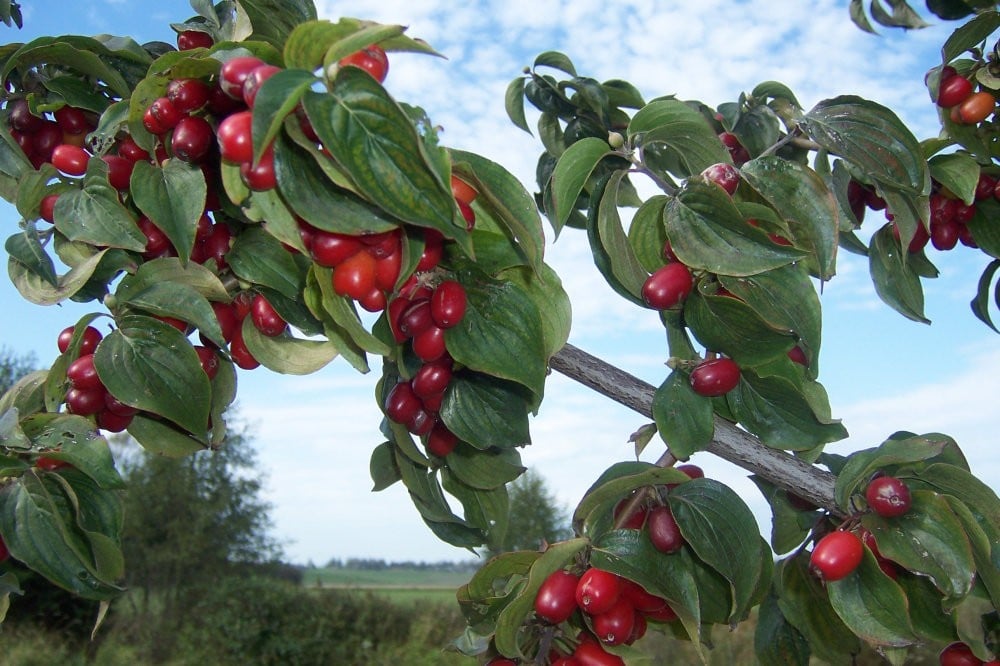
271 622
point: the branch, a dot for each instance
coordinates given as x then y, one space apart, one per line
730 443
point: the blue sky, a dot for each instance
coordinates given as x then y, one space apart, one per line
314 434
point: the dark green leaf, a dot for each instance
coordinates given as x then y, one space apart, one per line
684 419
970 35
555 60
514 103
148 364
178 301
871 137
94 215
486 411
173 197
79 445
776 641
679 132
853 477
287 354
872 605
647 233
958 172
507 201
776 411
787 528
486 509
485 469
27 250
622 262
36 290
708 232
981 303
571 174
500 334
802 199
382 467
274 20
721 530
258 257
927 615
896 283
546 291
728 325
616 482
902 16
276 98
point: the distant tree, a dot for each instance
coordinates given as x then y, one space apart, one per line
13 366
190 523
536 516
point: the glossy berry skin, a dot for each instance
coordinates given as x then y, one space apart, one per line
255 79
836 555
355 277
715 377
888 497
192 139
959 654
265 318
371 59
597 591
209 361
448 304
462 191
556 598
590 653
239 352
90 339
82 373
188 95
440 440
402 404
668 286
85 402
724 175
329 249
193 39
976 108
235 140
234 73
663 530
953 90
615 626
71 160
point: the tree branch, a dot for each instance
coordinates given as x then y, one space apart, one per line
729 442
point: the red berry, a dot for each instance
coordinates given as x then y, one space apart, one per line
193 39
164 114
976 108
692 471
82 373
959 654
71 160
235 140
448 304
47 207
556 598
440 440
371 59
209 360
234 73
330 249
192 139
355 276
724 175
72 120
108 420
836 555
402 404
590 653
431 378
615 625
85 402
953 90
667 286
119 171
188 95
888 496
462 191
265 318
240 354
429 344
260 176
597 591
88 344
663 530
715 377
254 80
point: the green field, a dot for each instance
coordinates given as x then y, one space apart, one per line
412 579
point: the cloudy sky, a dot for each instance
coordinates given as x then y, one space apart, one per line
314 434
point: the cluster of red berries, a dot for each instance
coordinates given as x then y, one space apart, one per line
838 554
655 517
966 107
420 315
39 136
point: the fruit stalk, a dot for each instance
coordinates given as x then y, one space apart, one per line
729 442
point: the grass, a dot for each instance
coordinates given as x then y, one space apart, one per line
386 578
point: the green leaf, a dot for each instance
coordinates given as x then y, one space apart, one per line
486 411
871 137
546 291
957 172
981 303
179 301
514 103
630 554
510 620
721 530
501 332
857 471
317 199
36 290
680 133
487 469
776 411
94 215
571 174
802 199
785 299
82 54
26 248
775 640
79 446
173 198
286 354
274 20
151 365
707 231
927 615
894 278
616 482
258 257
38 524
730 326
374 140
806 606
789 524
382 467
341 311
624 266
970 35
507 201
276 98
487 509
555 60
928 539
872 605
161 438
647 233
684 419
